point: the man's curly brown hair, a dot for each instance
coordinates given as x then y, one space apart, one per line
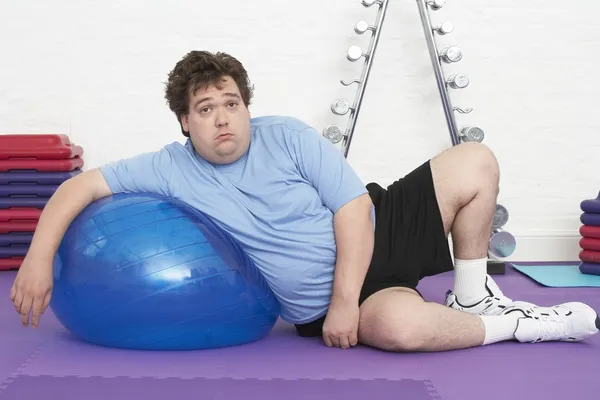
200 69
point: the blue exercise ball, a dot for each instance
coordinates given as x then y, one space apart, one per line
142 271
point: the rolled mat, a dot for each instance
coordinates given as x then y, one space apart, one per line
17 226
589 269
591 205
590 219
41 178
587 243
10 263
19 202
8 239
22 189
20 214
589 256
588 231
13 251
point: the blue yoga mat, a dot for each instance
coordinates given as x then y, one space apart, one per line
557 275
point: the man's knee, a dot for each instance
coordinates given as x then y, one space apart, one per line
403 339
391 322
481 160
471 163
392 334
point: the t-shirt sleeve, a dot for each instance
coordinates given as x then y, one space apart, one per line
147 172
326 168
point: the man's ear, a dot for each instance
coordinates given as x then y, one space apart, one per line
185 122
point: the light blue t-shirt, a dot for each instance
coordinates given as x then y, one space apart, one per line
278 201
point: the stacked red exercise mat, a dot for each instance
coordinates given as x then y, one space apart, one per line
590 241
32 167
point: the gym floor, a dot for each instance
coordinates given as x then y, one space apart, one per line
36 363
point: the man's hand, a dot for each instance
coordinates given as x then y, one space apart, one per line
32 290
340 328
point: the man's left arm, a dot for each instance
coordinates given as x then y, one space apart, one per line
354 236
343 192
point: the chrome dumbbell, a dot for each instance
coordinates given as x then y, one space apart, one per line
362 27
500 216
444 28
458 81
355 53
471 134
501 243
451 54
340 107
333 133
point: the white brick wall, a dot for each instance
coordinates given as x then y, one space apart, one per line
95 70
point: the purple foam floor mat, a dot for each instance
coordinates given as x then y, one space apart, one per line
35 362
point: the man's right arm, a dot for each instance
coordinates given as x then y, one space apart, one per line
67 202
32 288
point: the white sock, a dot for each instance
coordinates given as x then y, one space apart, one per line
500 328
469 280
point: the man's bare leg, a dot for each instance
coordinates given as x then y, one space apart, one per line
398 319
466 179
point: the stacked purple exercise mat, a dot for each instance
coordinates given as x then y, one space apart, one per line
590 241
32 167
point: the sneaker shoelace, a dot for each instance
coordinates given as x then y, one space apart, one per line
553 324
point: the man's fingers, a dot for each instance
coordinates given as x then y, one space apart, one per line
331 340
36 311
25 310
344 342
18 301
336 341
13 293
46 300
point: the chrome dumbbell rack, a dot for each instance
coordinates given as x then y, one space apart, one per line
502 244
334 133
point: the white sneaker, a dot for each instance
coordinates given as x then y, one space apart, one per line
493 304
568 322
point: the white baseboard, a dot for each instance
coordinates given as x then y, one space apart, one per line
553 246
548 247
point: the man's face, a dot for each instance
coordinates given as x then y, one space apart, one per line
218 123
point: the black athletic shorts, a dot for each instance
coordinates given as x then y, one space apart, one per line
410 242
